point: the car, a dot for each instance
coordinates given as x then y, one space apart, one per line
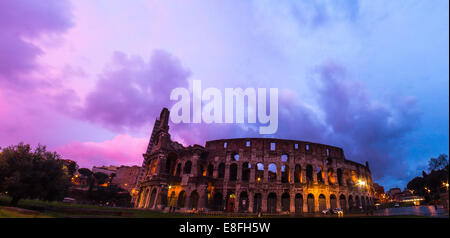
338 211
69 200
326 211
396 205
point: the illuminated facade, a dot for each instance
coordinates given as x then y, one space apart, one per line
249 175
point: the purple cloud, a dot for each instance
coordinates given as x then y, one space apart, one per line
20 22
131 90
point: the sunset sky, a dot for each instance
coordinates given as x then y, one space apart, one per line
88 78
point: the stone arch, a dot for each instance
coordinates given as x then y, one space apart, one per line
272 203
297 173
257 202
178 172
285 202
272 171
194 200
181 199
333 201
319 173
243 201
309 173
284 158
310 203
285 174
259 172
170 163
172 199
210 170
235 157
343 202
221 170
298 203
233 172
187 167
350 203
322 203
246 171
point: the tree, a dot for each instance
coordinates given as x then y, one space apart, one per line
100 177
438 163
32 174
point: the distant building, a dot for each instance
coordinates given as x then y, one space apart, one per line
393 193
105 169
379 194
126 177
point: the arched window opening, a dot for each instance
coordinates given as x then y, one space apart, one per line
181 199
298 203
322 203
210 170
235 157
297 173
285 174
319 174
246 172
233 172
187 167
259 173
309 173
272 203
310 203
221 172
333 201
285 202
272 172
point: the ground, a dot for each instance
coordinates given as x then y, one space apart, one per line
41 209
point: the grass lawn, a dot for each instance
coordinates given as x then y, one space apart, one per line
62 210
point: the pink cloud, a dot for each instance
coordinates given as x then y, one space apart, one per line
121 150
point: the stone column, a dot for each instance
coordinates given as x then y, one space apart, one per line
278 208
291 174
292 202
315 174
264 202
303 174
279 173
266 173
316 203
250 202
252 173
161 197
227 172
202 196
325 177
239 171
194 169
237 199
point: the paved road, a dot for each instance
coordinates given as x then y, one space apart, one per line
418 211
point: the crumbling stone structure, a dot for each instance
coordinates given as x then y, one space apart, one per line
249 175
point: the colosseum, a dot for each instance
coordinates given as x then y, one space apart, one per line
249 175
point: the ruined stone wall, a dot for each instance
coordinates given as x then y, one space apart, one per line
224 175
